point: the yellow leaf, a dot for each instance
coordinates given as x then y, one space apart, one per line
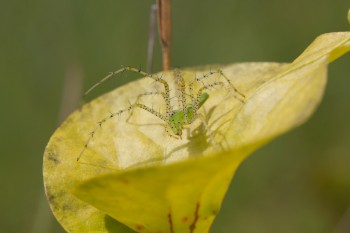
133 173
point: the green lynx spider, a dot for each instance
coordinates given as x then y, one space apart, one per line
174 119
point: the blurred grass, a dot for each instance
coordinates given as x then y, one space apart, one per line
299 183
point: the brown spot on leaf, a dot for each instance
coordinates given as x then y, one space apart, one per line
54 159
140 228
124 181
185 220
170 220
52 156
195 220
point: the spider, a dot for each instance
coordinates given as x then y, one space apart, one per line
175 119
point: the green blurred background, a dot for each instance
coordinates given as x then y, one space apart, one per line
298 183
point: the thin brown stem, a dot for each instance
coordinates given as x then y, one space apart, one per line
164 25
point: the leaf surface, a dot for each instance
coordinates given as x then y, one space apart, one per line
133 174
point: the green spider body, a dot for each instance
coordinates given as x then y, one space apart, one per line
177 118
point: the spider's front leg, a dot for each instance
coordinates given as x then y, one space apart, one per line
118 113
149 93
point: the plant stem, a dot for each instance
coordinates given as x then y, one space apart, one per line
151 37
164 25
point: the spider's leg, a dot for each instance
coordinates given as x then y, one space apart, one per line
110 75
166 128
198 100
148 93
112 115
181 91
199 80
205 76
242 96
136 70
239 95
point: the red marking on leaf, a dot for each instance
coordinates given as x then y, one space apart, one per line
170 222
193 225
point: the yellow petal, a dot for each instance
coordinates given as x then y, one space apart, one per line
135 173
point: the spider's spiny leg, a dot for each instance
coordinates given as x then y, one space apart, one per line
132 69
205 76
232 86
118 113
198 103
190 87
166 127
206 87
181 91
98 126
150 110
148 93
110 75
199 80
